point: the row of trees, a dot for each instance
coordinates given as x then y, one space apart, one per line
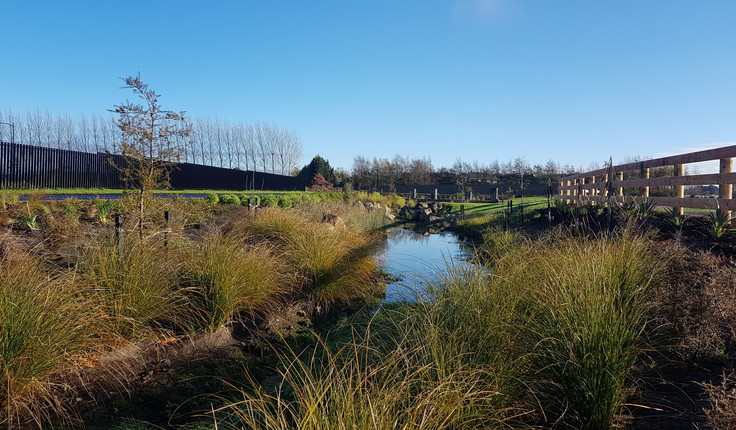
262 147
384 172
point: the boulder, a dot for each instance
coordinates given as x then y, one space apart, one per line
369 205
333 219
422 205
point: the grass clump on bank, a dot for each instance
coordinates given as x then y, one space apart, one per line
547 338
137 287
227 276
42 322
360 385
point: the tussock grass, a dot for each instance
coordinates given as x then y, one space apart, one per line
559 323
228 275
355 216
589 328
353 387
332 263
137 287
42 322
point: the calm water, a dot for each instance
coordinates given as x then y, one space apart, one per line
417 259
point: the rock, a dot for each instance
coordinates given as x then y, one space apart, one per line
358 204
335 220
406 211
369 206
422 205
436 207
390 216
424 215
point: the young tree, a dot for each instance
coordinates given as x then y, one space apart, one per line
148 140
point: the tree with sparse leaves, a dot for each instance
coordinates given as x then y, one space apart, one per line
151 141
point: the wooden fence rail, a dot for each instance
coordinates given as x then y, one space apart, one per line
609 184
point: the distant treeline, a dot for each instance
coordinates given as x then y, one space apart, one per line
386 173
260 147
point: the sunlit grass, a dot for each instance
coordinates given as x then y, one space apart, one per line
138 286
227 275
42 322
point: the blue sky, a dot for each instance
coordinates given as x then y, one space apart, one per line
572 81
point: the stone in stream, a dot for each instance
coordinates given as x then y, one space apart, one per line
424 215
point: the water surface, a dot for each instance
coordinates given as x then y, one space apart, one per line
417 260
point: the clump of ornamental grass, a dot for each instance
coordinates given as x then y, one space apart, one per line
558 323
228 275
137 285
584 323
42 323
497 242
352 387
331 261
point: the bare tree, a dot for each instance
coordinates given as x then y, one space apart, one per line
147 142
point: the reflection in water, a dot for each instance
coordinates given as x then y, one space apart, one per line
417 260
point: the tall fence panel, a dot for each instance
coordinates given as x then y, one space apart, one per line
27 166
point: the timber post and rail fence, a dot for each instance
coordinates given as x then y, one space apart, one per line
611 184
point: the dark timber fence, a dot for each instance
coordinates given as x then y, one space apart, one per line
27 166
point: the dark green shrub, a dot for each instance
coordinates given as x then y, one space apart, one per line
212 198
229 199
270 201
285 201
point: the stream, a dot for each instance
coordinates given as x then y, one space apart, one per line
416 260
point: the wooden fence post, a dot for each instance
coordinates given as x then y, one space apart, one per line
119 234
725 191
679 189
166 229
645 175
593 191
620 178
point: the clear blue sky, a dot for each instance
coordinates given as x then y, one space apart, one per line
573 81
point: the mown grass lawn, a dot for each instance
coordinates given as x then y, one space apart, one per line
478 209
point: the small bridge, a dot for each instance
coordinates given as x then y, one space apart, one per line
626 182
